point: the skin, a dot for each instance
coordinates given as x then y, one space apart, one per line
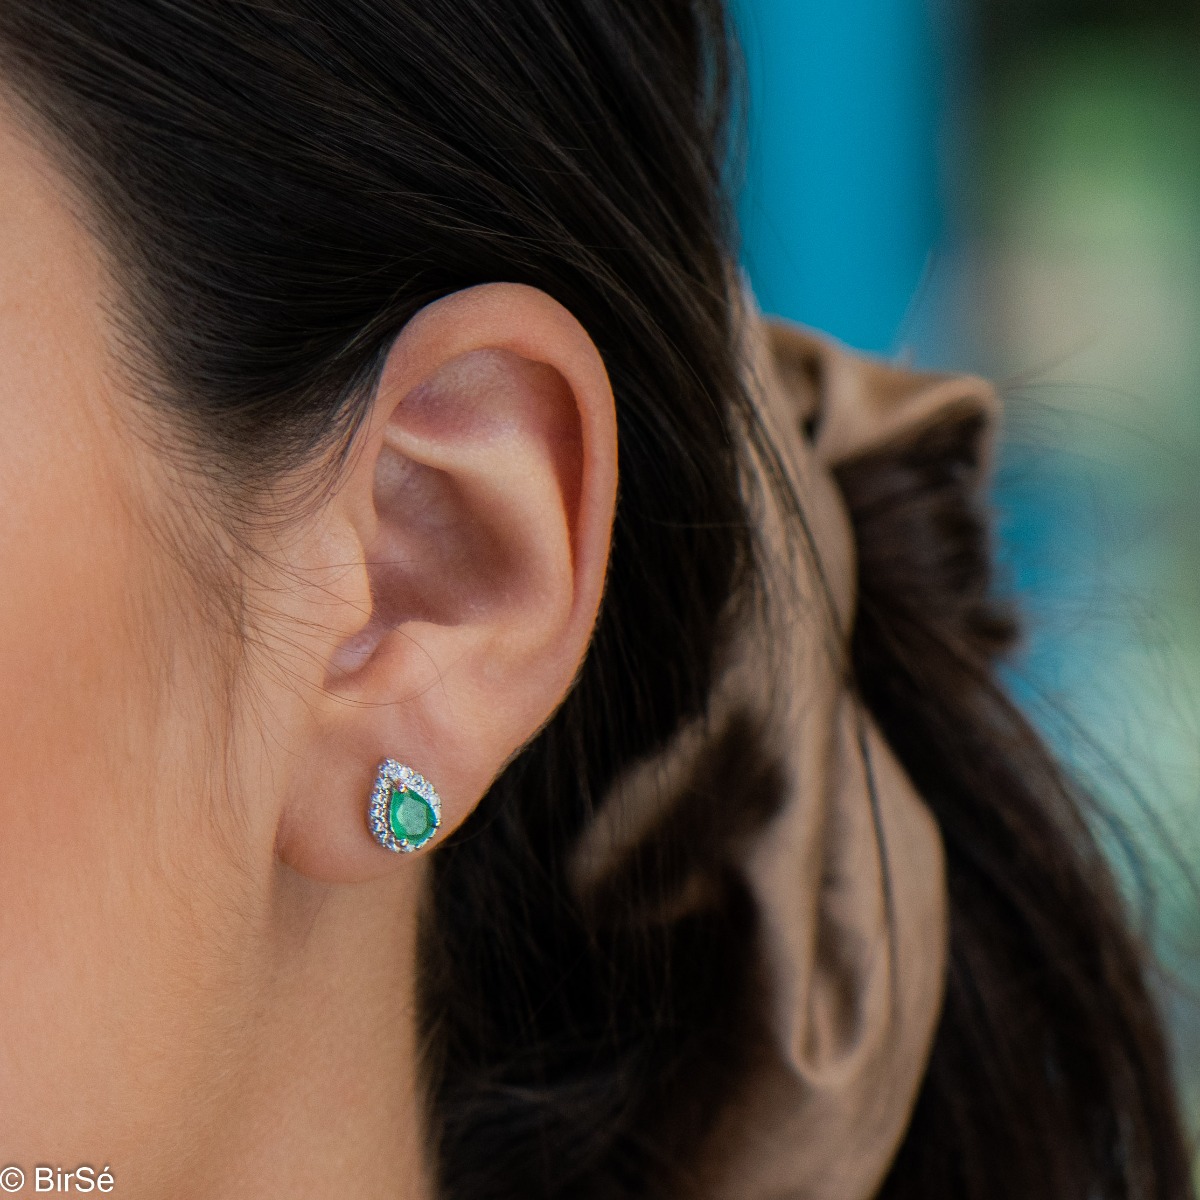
206 963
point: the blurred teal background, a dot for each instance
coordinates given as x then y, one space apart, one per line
1013 187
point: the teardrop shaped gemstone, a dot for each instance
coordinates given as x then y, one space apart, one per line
410 816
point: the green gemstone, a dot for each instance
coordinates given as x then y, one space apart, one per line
410 815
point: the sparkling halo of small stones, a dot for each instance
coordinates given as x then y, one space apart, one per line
396 775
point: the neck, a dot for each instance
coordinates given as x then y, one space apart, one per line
318 1086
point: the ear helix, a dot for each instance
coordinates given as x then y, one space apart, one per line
405 811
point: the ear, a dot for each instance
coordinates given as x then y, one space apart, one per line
854 403
477 506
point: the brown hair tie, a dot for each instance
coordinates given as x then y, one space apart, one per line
846 873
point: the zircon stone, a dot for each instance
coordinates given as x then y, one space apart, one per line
410 815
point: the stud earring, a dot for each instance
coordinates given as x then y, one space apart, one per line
405 810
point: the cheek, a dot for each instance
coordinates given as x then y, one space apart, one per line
71 585
68 613
117 891
75 628
99 790
110 891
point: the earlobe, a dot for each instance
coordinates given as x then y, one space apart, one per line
482 494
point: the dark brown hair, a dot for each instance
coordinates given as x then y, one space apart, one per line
281 185
1049 1075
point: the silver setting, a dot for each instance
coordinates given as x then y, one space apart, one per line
396 775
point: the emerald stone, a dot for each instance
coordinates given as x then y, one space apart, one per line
405 811
410 815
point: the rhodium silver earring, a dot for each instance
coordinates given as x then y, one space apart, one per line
405 810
